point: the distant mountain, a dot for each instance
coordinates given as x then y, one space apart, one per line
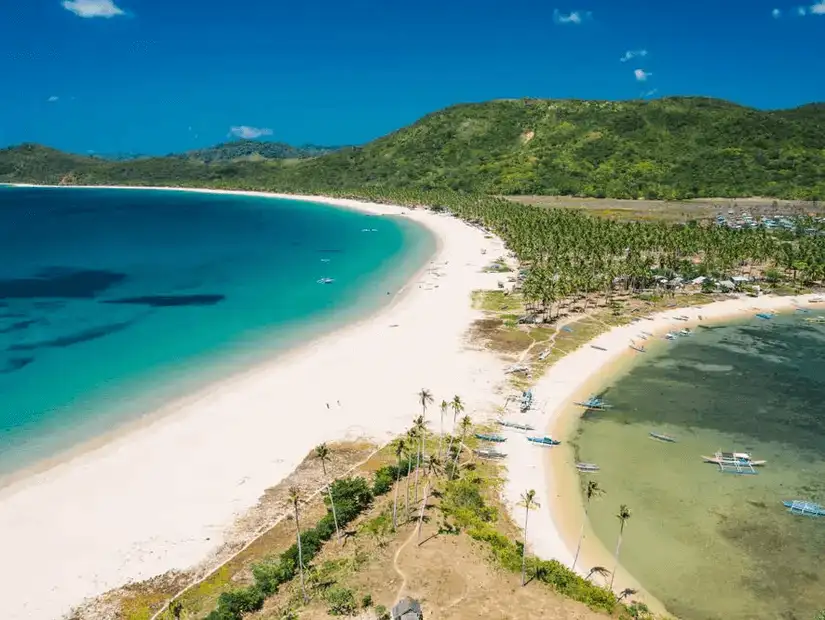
671 148
254 149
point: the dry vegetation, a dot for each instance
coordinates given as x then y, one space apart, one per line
672 211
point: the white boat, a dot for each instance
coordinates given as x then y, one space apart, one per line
671 336
685 332
325 280
725 458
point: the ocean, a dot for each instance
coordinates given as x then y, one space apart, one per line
708 544
113 302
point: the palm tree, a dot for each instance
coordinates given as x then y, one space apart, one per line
466 423
627 592
425 398
295 497
420 426
458 407
444 406
591 490
400 446
322 452
528 501
598 570
410 443
433 469
623 515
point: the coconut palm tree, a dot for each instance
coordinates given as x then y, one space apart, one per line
444 406
425 398
322 452
601 571
466 424
627 592
411 441
295 498
420 426
433 466
623 515
458 407
591 490
528 502
400 447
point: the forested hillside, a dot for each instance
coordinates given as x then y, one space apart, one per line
670 148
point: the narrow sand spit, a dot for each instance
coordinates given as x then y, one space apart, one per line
165 495
554 528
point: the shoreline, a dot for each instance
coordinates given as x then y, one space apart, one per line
574 377
204 388
215 452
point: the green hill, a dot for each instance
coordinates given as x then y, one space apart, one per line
255 149
670 148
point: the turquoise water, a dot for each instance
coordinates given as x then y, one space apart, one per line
709 544
106 293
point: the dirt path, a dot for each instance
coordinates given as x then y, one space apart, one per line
397 568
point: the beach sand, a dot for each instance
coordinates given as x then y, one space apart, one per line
555 527
165 495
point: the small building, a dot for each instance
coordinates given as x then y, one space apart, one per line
407 609
699 281
727 285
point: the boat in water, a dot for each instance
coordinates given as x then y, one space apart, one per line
325 280
515 425
816 320
804 508
489 437
587 467
662 437
764 315
544 441
685 332
734 462
671 336
593 403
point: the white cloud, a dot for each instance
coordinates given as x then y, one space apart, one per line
249 133
818 8
574 17
776 13
629 54
53 98
641 75
93 8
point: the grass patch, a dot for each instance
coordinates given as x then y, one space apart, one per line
498 301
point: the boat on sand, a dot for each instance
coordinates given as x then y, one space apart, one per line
662 437
544 441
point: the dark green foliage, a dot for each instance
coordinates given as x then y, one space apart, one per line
341 601
366 601
385 477
670 148
382 612
235 603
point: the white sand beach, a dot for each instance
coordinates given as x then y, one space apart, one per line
554 528
165 495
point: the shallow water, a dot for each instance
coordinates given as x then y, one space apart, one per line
105 294
710 544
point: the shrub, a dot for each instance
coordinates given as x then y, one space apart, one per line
235 603
366 601
382 612
271 573
341 601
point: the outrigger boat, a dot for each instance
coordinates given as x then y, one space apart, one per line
526 401
734 462
638 348
765 315
493 438
662 437
544 441
490 454
587 467
671 336
325 280
593 403
685 332
816 320
515 425
816 300
804 507
597 347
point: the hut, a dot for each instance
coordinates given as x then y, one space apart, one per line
407 609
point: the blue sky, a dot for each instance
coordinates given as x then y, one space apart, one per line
155 76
